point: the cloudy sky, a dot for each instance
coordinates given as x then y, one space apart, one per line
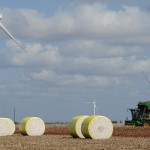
77 51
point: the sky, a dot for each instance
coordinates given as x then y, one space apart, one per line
77 51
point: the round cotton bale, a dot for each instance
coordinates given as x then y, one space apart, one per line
7 127
75 126
12 124
97 127
32 126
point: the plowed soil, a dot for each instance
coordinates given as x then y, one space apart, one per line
56 137
118 131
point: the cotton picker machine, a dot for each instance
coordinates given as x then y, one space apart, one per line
140 115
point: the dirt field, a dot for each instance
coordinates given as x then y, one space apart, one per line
56 137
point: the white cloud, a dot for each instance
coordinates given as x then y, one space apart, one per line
37 55
95 42
43 75
76 80
79 57
97 49
85 21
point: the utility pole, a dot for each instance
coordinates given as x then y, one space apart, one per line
14 115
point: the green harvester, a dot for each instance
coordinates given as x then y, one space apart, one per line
140 115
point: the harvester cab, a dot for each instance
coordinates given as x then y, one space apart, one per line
135 113
140 115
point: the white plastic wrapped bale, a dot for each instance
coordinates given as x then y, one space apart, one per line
12 124
75 126
32 126
7 127
97 127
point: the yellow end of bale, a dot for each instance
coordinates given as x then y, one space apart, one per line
75 126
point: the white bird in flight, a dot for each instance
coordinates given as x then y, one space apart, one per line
9 34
